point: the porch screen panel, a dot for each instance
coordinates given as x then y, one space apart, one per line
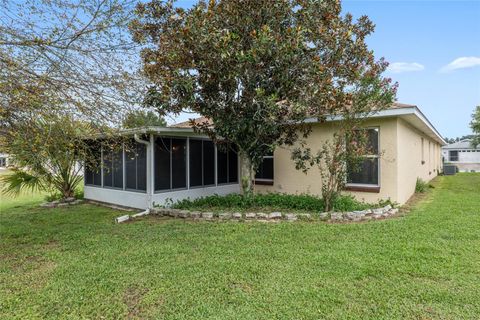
162 164
107 168
208 163
136 166
117 168
195 157
93 175
141 167
179 163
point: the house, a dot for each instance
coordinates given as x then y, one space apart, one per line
463 155
162 165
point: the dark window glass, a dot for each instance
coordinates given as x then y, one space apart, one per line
195 162
367 173
141 167
118 169
208 163
179 166
131 166
162 163
107 168
453 156
373 141
265 170
222 166
232 165
93 174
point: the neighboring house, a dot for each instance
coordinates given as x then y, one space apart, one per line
173 163
4 160
463 155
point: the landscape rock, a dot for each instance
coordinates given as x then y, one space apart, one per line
262 215
173 212
225 216
78 201
275 215
393 211
207 215
336 216
183 214
65 204
195 214
324 216
237 215
48 205
378 211
250 215
387 207
69 199
290 217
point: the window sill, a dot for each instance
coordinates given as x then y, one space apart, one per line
372 189
263 182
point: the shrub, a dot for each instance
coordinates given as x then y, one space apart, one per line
282 201
421 186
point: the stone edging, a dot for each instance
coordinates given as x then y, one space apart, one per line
61 203
353 216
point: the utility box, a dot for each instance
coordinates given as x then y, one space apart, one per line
449 170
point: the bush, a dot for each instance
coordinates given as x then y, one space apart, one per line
269 201
421 186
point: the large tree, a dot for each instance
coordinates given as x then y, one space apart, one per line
143 118
258 68
475 125
80 52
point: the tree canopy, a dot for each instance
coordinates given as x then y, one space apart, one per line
475 125
259 68
143 118
78 55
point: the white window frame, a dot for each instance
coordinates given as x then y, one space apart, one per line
370 156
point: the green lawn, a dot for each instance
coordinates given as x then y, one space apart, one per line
76 263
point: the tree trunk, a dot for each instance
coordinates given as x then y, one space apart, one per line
246 173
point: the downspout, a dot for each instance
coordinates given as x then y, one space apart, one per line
136 137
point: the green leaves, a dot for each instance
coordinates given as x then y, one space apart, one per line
258 68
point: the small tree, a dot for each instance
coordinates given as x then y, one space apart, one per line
257 68
335 159
475 125
143 118
46 154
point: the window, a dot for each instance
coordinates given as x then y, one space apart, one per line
136 166
93 174
367 171
113 167
453 155
265 170
202 163
227 165
170 165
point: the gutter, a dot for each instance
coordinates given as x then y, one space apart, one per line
137 138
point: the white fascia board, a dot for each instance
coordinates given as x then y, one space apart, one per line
390 113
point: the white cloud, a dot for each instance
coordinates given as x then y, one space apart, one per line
461 63
399 67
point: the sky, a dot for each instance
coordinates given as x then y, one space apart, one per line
433 48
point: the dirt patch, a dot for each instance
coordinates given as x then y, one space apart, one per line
132 298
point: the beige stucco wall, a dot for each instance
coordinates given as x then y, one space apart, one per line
400 162
410 166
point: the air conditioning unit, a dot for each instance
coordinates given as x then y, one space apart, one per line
449 169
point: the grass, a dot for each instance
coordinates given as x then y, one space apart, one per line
75 263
